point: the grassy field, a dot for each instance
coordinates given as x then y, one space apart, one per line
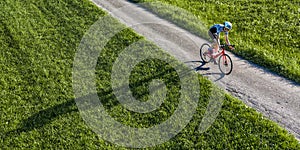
266 32
38 42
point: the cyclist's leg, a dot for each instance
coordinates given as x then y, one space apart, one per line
216 41
217 46
213 43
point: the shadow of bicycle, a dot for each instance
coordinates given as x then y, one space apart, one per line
206 71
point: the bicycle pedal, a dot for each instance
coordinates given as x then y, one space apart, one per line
226 64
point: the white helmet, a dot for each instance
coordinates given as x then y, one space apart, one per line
228 25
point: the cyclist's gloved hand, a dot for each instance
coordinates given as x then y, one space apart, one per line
231 47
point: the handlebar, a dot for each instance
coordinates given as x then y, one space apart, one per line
225 45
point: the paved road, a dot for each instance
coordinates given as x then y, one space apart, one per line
273 96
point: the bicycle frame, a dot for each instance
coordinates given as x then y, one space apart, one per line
219 54
225 62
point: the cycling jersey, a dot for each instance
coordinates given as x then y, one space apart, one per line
217 28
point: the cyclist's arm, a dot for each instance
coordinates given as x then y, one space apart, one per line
226 38
227 41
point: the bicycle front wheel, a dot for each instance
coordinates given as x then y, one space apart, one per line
204 53
225 64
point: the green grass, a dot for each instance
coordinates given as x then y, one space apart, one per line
265 32
38 42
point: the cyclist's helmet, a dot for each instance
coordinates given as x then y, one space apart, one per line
228 25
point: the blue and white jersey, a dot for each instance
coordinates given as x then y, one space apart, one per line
218 28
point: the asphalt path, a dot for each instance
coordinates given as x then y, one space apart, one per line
275 97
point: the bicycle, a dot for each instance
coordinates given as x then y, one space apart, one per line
224 63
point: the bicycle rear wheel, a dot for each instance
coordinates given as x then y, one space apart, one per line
225 64
204 53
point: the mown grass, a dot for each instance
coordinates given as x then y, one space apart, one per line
265 32
38 41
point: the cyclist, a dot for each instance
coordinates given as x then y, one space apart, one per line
214 33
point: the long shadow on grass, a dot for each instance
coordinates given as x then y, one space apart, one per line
43 117
143 80
46 116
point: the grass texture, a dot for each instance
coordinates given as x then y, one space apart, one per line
38 41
